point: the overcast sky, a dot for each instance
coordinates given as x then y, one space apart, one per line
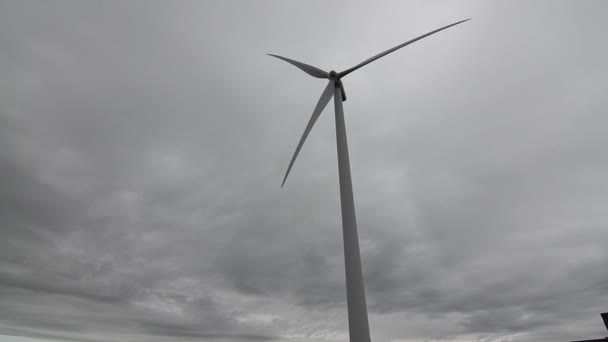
143 144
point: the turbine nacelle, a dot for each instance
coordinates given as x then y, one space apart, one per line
338 83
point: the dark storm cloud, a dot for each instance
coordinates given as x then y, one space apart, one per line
142 148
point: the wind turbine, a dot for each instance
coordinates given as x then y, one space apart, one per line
358 326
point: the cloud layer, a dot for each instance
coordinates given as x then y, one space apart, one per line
142 148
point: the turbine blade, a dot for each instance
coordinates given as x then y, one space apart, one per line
309 69
382 54
325 97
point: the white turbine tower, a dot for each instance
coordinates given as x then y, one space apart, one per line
358 326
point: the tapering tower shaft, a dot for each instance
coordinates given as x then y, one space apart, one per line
358 326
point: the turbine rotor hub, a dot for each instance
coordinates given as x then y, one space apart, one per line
334 76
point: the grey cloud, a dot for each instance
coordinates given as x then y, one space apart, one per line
142 148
